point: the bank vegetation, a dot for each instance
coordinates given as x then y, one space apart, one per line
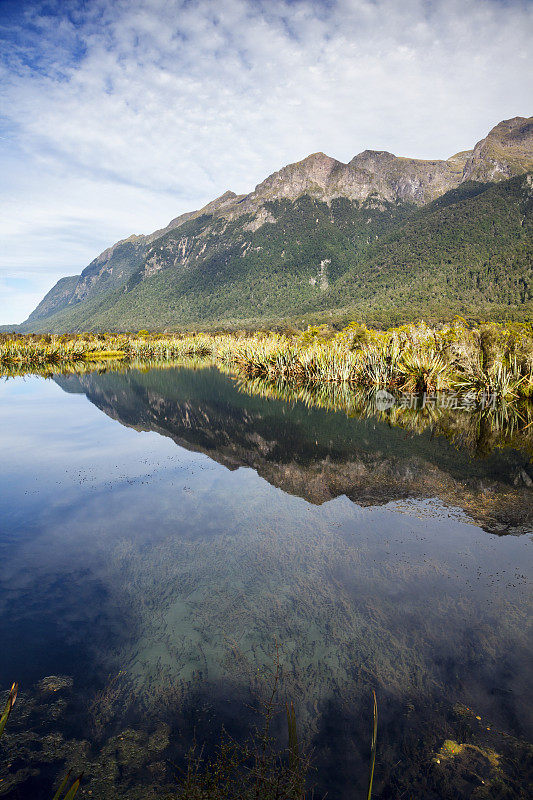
490 359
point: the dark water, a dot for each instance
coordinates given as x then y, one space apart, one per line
154 556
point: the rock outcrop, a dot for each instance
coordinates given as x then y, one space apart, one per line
506 151
372 182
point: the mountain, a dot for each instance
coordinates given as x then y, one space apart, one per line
382 238
317 454
505 152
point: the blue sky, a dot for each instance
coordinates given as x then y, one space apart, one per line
117 116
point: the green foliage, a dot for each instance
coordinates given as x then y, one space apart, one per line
424 370
491 358
469 252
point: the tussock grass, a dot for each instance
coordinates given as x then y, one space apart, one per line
491 359
488 359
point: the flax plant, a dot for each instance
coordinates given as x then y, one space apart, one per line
493 359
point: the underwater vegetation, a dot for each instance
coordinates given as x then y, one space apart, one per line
492 358
66 791
140 763
257 767
298 577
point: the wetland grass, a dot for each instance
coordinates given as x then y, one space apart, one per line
491 358
8 706
373 747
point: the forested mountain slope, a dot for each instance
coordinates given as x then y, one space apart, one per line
380 238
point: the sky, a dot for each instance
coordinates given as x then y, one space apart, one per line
118 115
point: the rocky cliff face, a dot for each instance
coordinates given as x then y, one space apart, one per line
372 173
372 180
506 151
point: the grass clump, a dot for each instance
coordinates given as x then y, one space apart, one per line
491 358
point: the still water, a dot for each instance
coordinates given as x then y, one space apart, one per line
164 533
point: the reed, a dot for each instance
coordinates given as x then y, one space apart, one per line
373 747
8 708
491 358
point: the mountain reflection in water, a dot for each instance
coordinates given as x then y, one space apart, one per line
476 459
161 581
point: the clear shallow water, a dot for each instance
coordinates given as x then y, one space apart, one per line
159 562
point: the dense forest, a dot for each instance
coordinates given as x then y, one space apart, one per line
468 252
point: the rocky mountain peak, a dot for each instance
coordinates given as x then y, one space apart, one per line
372 158
375 180
458 160
507 150
292 180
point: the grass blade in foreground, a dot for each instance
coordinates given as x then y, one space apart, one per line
73 789
373 748
8 707
63 786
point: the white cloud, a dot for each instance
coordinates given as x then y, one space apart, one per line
120 115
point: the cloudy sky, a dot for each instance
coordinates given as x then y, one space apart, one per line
117 115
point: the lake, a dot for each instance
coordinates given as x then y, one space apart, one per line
167 534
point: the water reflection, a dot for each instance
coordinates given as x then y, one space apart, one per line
161 574
477 424
477 458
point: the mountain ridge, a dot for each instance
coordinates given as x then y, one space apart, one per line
344 209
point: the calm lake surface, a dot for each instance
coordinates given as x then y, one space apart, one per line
163 532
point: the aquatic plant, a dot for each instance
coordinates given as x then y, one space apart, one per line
373 747
423 371
64 792
70 792
8 707
255 769
379 364
504 380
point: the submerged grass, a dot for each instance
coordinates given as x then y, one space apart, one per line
491 359
257 768
65 791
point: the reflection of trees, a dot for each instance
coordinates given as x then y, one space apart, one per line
479 430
